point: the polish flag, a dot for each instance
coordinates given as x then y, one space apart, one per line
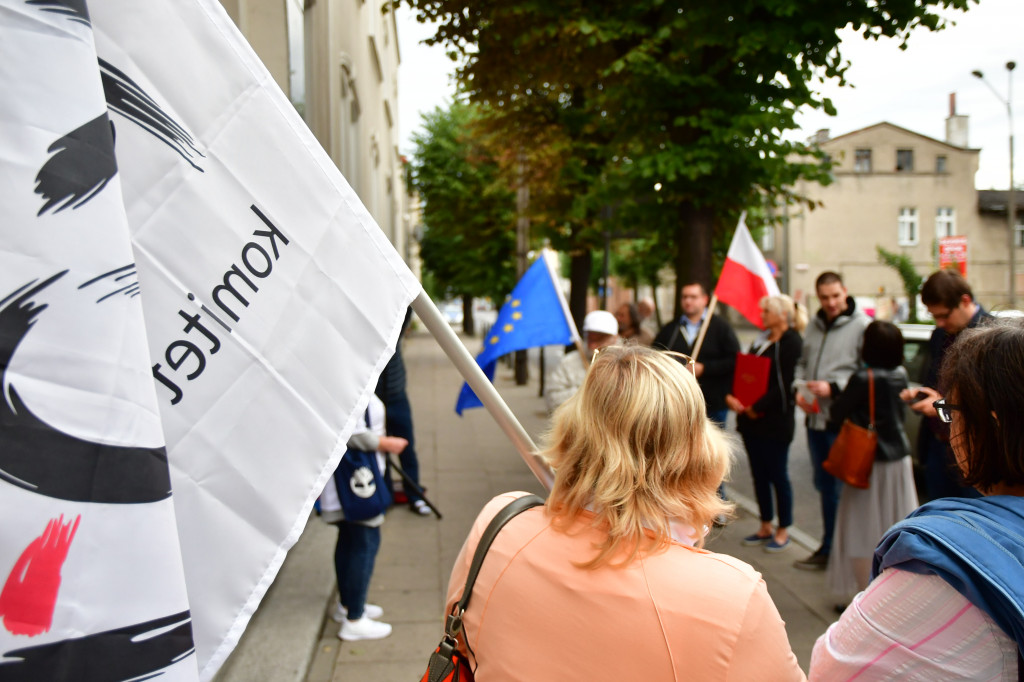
745 278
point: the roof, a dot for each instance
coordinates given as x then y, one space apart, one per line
902 130
994 200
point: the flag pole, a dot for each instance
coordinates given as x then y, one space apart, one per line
481 385
565 306
704 326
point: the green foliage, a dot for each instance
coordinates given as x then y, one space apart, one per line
468 246
912 281
605 100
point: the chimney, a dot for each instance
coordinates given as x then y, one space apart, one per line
821 137
956 125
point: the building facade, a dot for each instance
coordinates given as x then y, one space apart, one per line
902 191
337 60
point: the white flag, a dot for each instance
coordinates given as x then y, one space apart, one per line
91 580
272 301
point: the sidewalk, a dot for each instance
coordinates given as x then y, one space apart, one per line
463 463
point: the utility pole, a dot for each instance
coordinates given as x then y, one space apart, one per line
1011 200
522 369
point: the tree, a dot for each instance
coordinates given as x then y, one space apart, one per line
904 267
468 246
694 96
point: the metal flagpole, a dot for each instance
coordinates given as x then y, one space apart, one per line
477 380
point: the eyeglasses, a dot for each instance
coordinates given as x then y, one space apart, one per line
944 410
687 361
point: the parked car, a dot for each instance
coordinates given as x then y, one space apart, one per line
916 358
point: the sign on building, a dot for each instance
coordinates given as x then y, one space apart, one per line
953 253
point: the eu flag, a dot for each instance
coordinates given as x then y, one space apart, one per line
532 316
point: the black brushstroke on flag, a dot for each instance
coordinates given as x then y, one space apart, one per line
83 164
135 652
126 278
42 459
75 10
125 97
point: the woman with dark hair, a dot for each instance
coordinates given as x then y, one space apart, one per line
947 598
864 515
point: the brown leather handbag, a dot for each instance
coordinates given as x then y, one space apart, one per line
853 454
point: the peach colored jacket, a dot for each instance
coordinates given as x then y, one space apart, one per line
682 614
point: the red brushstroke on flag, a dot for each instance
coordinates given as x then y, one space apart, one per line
30 593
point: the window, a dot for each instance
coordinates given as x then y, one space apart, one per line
904 160
940 164
908 227
768 238
1018 233
862 161
945 222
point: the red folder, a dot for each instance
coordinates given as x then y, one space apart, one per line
750 380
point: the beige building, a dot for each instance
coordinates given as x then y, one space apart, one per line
337 60
902 191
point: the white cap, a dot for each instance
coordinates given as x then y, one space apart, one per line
600 321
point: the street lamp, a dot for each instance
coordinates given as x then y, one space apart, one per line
1011 204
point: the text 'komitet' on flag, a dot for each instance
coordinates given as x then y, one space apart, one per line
535 314
195 307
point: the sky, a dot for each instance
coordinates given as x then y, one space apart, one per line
908 88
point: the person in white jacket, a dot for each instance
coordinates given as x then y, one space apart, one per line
600 329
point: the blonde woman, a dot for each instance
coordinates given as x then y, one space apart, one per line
767 426
607 581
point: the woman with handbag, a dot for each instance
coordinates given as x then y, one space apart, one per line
768 424
947 597
355 499
607 580
866 513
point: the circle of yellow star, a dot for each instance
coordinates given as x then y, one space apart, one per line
494 340
507 328
517 315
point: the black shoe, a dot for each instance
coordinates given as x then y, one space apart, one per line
816 562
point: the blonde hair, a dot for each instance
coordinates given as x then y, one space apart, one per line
635 447
781 304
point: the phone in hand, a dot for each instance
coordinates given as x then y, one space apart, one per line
918 397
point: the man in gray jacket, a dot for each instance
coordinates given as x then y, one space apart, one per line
831 354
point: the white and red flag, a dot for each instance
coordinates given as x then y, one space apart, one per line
181 263
746 277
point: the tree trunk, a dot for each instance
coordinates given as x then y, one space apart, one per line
467 316
693 249
579 278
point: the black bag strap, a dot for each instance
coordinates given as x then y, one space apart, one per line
453 625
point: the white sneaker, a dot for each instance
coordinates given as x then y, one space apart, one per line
420 507
371 611
364 628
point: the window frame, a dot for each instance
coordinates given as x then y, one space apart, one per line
908 226
908 155
945 219
862 160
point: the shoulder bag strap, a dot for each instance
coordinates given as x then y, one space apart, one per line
871 396
454 622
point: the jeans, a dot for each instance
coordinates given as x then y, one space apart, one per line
769 461
354 556
398 422
719 417
827 485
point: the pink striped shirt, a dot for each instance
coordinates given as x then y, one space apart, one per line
913 627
